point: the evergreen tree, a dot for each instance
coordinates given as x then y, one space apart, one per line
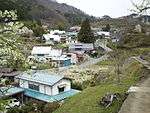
85 35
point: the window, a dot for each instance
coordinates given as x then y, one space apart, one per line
78 49
61 89
40 55
34 86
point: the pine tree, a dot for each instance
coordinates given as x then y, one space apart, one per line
85 35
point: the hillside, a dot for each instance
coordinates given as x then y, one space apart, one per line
87 100
48 12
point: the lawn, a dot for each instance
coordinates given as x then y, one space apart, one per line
87 100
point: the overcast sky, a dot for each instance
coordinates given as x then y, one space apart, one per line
114 8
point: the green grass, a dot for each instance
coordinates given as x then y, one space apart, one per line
105 62
87 100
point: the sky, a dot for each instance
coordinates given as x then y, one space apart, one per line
98 8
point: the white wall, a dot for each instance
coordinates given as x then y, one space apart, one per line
48 90
23 84
45 89
65 82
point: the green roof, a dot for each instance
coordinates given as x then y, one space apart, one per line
46 98
9 91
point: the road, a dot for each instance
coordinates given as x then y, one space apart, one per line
92 61
138 101
84 65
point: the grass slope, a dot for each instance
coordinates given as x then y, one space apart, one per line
87 100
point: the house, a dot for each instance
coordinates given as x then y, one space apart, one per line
45 86
41 51
44 52
104 33
51 39
57 32
75 28
55 36
8 73
47 54
73 57
61 61
81 47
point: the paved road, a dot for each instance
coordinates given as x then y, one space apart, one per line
139 100
92 61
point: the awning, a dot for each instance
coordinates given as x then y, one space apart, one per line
46 98
9 91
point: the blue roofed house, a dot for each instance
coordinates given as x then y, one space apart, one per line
44 86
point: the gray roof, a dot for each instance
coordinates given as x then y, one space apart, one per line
81 45
42 77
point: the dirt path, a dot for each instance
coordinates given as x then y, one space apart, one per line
139 101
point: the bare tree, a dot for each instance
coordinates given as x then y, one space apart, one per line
142 7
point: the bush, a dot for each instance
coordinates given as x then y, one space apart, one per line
14 110
51 107
77 86
28 107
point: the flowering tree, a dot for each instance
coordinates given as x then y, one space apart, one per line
10 40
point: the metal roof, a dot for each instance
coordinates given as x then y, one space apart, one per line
41 50
42 77
9 91
46 98
81 45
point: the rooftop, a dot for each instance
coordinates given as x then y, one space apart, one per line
42 77
46 98
9 91
41 50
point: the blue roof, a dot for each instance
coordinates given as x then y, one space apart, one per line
9 91
42 77
46 98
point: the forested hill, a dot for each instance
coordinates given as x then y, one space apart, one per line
47 11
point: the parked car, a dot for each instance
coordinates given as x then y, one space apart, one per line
12 103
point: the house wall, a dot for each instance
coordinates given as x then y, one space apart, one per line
64 82
45 89
23 84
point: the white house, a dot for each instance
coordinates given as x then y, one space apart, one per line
45 51
57 32
55 36
104 33
51 39
45 86
55 56
41 51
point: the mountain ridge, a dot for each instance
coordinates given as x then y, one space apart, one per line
49 12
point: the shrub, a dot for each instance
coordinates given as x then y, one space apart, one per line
51 107
14 110
77 86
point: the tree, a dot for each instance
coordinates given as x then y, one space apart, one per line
141 7
85 35
10 40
